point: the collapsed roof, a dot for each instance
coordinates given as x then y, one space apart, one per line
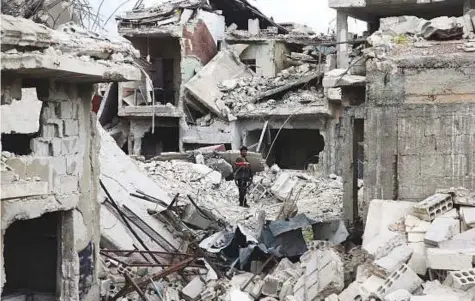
236 11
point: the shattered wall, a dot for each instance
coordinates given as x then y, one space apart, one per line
269 56
64 156
419 126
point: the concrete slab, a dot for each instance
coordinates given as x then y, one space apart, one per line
204 85
41 66
391 262
23 189
442 229
193 289
383 244
468 215
437 259
382 214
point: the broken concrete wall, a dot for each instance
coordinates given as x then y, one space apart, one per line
65 157
268 56
419 126
249 130
22 116
198 42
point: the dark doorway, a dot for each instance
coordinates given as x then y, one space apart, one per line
165 139
31 255
295 149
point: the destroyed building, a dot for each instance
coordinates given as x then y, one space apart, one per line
211 78
413 118
50 173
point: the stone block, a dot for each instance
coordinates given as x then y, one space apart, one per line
49 111
442 229
402 278
193 289
56 147
384 266
399 295
52 128
433 206
334 94
418 259
468 215
449 259
437 289
71 127
68 110
271 286
383 244
70 145
67 184
463 280
40 147
468 235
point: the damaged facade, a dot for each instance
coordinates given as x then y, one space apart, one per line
211 78
50 171
362 150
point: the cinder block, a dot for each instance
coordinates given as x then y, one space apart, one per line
446 259
433 206
52 128
388 264
402 278
70 145
332 297
40 147
382 244
56 147
441 229
463 280
71 127
193 289
49 111
68 110
334 94
371 285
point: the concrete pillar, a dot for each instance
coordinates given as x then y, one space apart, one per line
235 135
137 146
342 35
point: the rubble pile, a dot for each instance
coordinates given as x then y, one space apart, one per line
411 30
409 243
319 198
242 95
69 40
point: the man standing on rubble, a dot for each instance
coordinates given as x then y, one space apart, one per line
243 176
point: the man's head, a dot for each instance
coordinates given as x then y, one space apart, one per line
243 151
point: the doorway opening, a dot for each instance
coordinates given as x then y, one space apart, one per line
30 253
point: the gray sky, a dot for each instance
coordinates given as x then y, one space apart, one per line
314 13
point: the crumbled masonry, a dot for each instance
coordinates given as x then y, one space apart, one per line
118 154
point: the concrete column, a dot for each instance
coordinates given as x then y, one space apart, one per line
342 35
235 135
137 146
